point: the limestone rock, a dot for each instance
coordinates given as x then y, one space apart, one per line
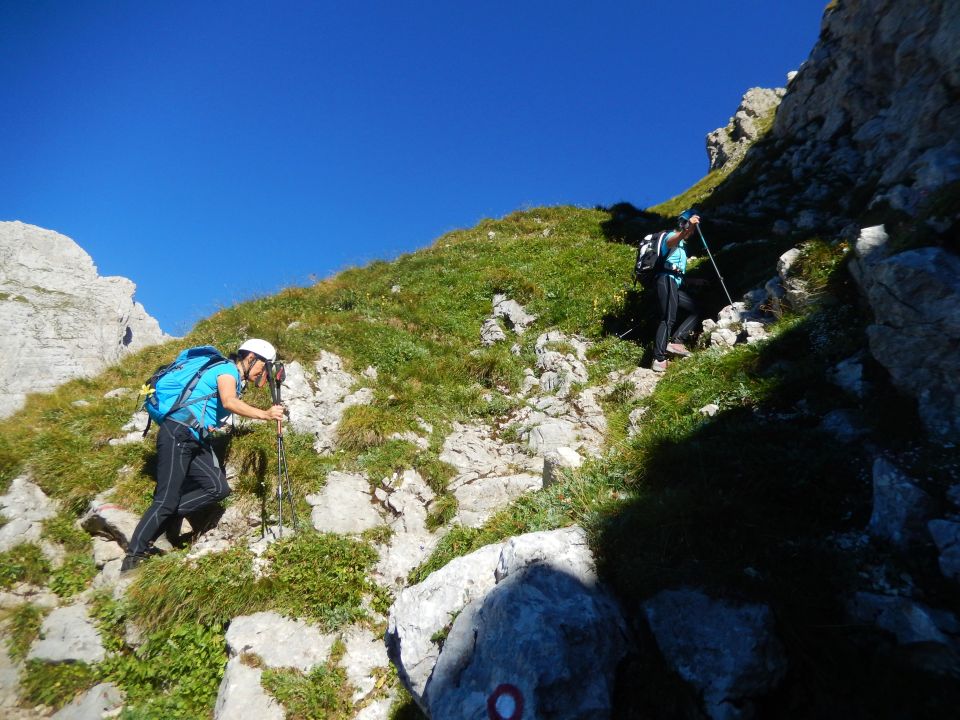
879 87
914 296
317 399
517 318
59 319
491 332
98 702
729 144
845 425
946 534
909 621
9 675
728 652
541 580
561 370
555 461
848 375
480 497
422 611
365 653
407 498
344 505
108 520
25 506
278 642
68 635
554 639
900 507
242 697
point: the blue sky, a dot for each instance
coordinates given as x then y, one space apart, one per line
216 151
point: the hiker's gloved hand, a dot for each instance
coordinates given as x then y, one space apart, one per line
695 220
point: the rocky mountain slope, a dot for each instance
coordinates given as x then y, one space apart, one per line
503 513
58 318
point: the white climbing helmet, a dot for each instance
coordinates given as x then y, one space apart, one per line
259 347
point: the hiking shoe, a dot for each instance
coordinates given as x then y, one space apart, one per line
204 519
171 531
130 562
678 349
659 366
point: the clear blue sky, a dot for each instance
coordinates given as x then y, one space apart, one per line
215 151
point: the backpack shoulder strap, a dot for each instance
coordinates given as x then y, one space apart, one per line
184 399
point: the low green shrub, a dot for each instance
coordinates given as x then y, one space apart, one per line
174 674
324 692
55 684
321 577
23 563
22 628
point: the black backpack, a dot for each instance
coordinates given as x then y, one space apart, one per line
649 260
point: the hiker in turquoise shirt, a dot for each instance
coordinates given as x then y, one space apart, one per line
669 295
190 478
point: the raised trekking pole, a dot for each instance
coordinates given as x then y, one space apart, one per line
710 254
276 375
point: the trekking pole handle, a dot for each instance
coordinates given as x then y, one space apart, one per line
276 374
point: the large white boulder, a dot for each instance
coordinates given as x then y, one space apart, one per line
59 319
529 613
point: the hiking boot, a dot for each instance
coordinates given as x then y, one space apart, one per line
204 519
659 366
130 562
171 531
675 348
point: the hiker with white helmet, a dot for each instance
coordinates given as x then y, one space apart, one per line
190 478
672 264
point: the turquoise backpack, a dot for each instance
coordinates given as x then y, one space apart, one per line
169 391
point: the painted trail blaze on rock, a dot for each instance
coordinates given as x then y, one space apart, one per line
505 703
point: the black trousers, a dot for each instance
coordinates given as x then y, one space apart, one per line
669 298
189 477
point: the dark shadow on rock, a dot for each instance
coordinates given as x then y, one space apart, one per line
541 637
753 505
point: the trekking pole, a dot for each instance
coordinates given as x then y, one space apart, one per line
276 375
710 254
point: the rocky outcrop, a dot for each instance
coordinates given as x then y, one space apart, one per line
489 471
316 398
103 700
68 635
526 619
59 319
24 507
727 145
877 99
915 332
871 117
510 312
900 508
728 652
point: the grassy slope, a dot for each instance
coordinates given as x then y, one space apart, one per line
741 503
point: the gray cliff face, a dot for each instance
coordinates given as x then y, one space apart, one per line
871 119
881 88
59 319
872 116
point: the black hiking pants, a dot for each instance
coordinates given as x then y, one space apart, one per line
189 477
669 298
